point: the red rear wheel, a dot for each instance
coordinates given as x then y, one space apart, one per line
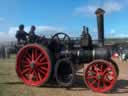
100 76
33 65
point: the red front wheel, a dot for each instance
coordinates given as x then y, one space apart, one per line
33 65
100 76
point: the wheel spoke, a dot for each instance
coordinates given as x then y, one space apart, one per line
91 71
101 67
104 84
43 68
98 85
106 70
39 64
25 71
58 38
26 66
27 54
91 77
36 75
31 76
64 37
38 57
42 72
39 75
92 83
42 59
108 81
30 71
95 68
25 62
33 54
110 74
28 60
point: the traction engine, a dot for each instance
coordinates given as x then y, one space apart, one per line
59 59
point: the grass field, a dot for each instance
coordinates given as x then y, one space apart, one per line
10 84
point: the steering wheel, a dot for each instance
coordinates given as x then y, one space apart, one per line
62 39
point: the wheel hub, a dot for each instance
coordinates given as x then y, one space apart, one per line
100 76
32 65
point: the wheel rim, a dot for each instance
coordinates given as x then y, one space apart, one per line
100 76
62 38
33 65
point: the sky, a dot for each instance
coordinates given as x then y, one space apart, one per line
52 16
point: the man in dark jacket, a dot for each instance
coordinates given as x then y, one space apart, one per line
21 35
32 36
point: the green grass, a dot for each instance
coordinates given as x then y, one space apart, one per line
11 85
9 82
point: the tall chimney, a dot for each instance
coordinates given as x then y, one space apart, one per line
100 24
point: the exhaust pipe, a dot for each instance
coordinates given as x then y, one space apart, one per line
100 24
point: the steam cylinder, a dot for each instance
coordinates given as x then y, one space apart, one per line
88 55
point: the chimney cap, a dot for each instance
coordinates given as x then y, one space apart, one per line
99 11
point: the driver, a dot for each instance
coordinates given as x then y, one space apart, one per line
21 35
32 36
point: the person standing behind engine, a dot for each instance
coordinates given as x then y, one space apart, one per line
21 35
32 36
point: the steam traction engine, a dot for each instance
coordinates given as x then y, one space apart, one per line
38 63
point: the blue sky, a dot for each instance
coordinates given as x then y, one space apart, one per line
63 15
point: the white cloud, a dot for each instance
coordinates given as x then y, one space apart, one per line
109 7
112 7
40 30
4 36
86 10
48 30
